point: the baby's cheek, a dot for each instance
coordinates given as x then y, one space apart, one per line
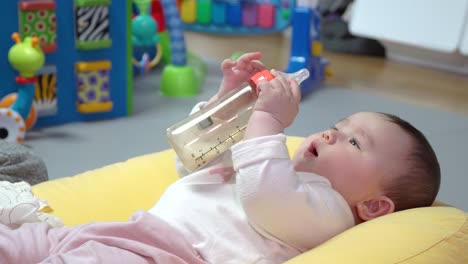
334 165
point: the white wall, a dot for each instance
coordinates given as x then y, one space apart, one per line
437 26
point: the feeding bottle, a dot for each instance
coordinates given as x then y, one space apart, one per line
205 134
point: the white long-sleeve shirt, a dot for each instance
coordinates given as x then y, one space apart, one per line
250 206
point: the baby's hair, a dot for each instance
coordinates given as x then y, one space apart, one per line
419 182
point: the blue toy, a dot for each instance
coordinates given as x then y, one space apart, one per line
89 56
306 48
145 39
182 77
144 27
72 86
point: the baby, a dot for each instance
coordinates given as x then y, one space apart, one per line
254 204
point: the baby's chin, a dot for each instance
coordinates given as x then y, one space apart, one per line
308 166
303 167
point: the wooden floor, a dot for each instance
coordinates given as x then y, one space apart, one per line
405 82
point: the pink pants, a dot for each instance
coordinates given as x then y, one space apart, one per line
143 239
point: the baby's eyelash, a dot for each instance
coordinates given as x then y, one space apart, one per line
355 143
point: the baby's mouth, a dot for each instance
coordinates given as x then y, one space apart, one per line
313 150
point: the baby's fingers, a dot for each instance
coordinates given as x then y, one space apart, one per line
281 83
258 65
266 88
295 90
244 60
227 65
250 56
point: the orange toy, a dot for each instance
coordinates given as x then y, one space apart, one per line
8 101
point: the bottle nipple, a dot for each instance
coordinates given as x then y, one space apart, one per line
299 76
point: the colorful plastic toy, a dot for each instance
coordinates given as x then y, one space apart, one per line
10 99
27 58
306 47
145 38
179 78
236 17
239 17
72 33
76 37
183 73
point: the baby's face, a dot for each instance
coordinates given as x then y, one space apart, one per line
356 155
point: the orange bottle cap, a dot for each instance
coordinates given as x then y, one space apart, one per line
262 75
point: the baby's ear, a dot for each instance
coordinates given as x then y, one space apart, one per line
375 207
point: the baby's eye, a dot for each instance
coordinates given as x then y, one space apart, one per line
354 142
333 127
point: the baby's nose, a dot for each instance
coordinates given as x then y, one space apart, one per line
329 136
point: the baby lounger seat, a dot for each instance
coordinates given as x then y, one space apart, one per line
437 234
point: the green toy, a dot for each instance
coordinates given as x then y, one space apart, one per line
26 57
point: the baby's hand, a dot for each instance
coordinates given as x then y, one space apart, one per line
239 71
279 98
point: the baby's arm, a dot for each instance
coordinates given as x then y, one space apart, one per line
300 211
297 210
276 107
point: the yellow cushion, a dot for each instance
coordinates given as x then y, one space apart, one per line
437 234
423 235
110 193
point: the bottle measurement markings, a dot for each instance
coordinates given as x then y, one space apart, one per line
201 157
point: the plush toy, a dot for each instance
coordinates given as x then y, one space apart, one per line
18 163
